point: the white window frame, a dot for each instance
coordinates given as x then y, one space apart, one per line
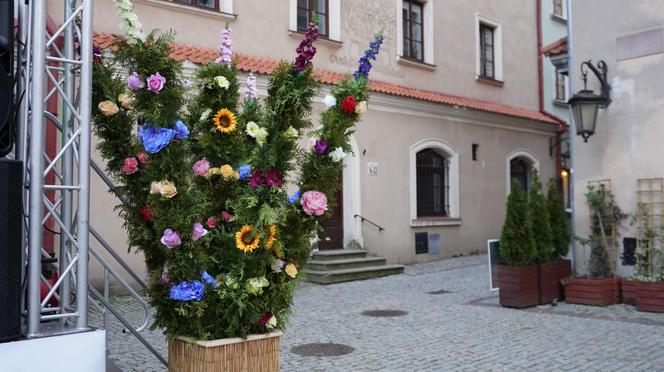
333 18
497 47
427 32
555 88
452 155
564 8
518 153
226 6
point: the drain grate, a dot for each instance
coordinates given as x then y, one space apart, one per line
384 313
322 350
439 292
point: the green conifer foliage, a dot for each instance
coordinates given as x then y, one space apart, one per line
517 244
560 232
539 214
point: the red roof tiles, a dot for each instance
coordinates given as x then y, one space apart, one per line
265 66
556 48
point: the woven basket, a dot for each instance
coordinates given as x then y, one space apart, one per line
256 353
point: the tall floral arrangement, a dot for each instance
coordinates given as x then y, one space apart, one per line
204 182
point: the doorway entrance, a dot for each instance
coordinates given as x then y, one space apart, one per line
333 227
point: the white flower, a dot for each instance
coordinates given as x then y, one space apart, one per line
272 322
337 154
261 136
205 115
222 82
329 101
252 129
292 132
361 108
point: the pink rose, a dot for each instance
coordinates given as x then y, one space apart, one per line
226 216
314 203
211 222
130 166
201 167
134 81
171 239
198 231
156 82
143 158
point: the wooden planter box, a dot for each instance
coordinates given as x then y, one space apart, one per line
593 291
550 276
629 291
258 353
650 297
519 286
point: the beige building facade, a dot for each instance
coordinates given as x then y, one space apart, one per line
626 146
453 113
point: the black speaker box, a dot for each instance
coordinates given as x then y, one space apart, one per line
11 225
6 76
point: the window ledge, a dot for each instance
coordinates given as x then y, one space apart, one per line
433 221
413 63
560 103
188 9
322 39
489 81
558 18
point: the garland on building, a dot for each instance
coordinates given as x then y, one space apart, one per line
204 182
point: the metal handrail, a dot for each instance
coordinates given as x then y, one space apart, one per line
363 219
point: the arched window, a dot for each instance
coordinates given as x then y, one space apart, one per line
433 184
520 171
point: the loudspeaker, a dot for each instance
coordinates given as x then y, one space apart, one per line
11 225
7 128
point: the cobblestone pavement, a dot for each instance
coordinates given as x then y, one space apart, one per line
464 329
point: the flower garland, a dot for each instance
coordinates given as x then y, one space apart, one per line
129 23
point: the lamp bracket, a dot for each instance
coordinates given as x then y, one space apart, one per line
600 72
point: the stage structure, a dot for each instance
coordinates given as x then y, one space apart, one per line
54 64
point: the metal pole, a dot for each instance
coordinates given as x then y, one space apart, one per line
36 164
83 215
67 162
572 176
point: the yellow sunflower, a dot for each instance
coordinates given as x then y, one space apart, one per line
246 240
271 236
225 121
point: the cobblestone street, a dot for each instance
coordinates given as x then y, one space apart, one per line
463 329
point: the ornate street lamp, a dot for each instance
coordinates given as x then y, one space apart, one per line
585 103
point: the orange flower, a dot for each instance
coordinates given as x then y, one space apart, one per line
225 121
246 240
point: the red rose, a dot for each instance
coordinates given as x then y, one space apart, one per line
348 104
211 222
146 213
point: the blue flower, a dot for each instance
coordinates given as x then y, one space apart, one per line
294 197
207 278
369 55
186 291
154 139
244 171
181 130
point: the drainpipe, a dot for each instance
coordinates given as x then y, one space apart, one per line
570 69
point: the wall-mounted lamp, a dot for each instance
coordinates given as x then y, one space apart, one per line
585 103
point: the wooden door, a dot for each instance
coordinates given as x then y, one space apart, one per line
333 234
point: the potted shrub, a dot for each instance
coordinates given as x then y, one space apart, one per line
546 254
557 265
599 287
518 277
204 190
647 285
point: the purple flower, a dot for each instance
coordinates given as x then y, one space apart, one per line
156 82
244 171
274 177
171 239
134 81
257 179
306 50
225 48
186 291
198 231
207 278
153 139
201 167
321 146
249 91
181 130
164 275
369 54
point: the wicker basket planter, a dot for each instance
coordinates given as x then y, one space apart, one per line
550 275
259 353
650 297
519 286
629 291
593 291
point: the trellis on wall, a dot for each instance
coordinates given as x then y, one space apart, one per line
605 184
650 206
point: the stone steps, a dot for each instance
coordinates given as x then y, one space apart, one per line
336 266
